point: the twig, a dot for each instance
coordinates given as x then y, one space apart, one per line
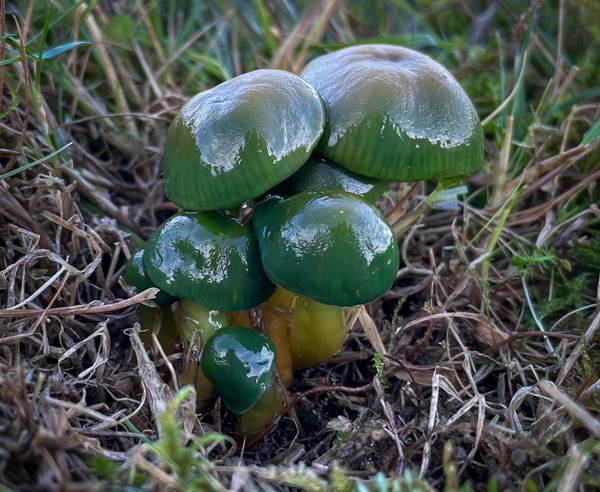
571 406
398 211
501 171
1 47
584 340
509 98
414 215
111 75
559 47
91 308
536 318
283 57
95 195
155 116
571 476
541 168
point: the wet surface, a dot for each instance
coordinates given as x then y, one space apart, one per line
208 258
237 140
239 362
394 113
333 248
319 174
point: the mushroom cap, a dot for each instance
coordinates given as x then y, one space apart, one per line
394 113
333 248
208 258
237 140
138 281
239 362
319 174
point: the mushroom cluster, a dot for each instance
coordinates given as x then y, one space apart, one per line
309 156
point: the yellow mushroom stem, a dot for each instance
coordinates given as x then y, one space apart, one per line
192 375
240 318
315 332
261 415
276 318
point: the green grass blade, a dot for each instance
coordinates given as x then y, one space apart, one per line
266 24
29 165
592 134
212 65
61 48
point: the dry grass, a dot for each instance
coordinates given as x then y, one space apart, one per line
482 364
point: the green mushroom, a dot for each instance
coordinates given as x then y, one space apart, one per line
329 251
211 262
237 140
395 114
319 174
208 258
334 248
239 362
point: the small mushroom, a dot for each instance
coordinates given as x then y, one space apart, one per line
335 248
239 362
197 324
395 114
237 140
208 258
330 251
319 174
211 262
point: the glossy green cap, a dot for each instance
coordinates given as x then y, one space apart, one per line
334 248
395 114
319 174
138 281
208 258
234 142
239 362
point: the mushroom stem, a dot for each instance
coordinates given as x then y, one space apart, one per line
276 318
196 326
197 318
261 415
317 332
306 333
240 318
